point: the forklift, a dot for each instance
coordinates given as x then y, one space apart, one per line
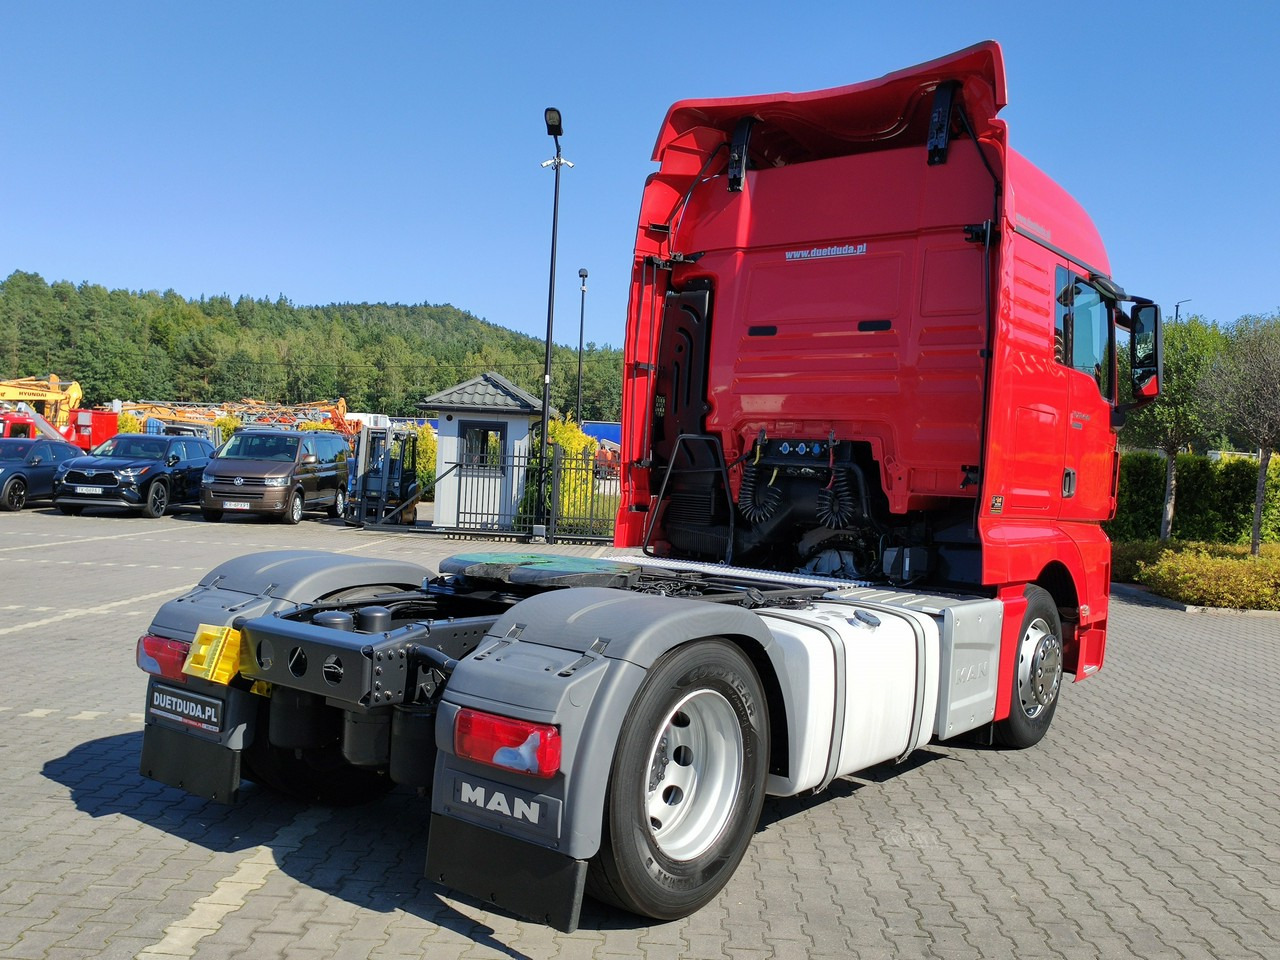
382 481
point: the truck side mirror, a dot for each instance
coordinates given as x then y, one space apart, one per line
1146 360
1146 353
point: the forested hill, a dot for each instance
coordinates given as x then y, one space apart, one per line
382 357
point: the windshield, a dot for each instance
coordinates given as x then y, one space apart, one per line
248 446
135 448
14 451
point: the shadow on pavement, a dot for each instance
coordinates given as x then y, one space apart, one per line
371 856
1137 596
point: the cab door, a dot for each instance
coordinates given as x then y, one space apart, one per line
1083 326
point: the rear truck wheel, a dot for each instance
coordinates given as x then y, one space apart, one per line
339 504
213 516
687 783
15 495
157 501
70 509
316 775
293 509
1037 674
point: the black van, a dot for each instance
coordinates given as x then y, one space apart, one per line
281 473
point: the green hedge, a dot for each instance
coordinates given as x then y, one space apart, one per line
1214 501
1199 578
1202 574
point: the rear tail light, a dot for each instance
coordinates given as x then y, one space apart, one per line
162 657
519 745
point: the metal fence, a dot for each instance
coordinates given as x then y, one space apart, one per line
499 495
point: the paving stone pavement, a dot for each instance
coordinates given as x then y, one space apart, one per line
1145 825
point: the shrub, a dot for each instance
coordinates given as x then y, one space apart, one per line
582 507
1139 499
1214 500
128 423
1199 577
1127 558
228 425
427 461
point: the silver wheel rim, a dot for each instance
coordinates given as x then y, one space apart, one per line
1039 668
694 773
295 507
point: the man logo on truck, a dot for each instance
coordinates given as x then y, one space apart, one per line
495 802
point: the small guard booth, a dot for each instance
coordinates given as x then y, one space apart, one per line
484 445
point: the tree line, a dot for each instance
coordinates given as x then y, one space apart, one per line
383 358
1220 390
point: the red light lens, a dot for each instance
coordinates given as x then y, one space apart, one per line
163 657
532 748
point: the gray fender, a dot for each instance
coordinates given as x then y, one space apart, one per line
258 584
575 658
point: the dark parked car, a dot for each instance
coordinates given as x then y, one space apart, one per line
27 466
141 471
279 473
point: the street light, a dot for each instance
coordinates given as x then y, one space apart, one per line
1177 307
555 130
582 317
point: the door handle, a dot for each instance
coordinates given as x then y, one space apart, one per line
1068 483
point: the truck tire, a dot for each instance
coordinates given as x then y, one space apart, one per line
157 500
687 783
213 516
15 495
293 509
1037 674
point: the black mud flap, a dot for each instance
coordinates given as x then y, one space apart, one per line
531 881
202 767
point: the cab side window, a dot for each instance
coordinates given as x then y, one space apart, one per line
1082 329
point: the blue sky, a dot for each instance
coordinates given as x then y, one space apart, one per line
391 151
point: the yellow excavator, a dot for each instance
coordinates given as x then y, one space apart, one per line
52 398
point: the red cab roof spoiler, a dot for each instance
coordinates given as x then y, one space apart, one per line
796 127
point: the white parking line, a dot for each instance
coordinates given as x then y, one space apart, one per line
45 544
230 894
85 611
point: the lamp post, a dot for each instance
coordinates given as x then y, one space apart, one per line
1177 307
555 130
582 317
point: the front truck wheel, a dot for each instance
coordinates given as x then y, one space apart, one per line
1037 673
687 783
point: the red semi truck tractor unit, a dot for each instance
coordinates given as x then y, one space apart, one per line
875 367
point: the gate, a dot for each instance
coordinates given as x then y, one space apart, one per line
498 494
